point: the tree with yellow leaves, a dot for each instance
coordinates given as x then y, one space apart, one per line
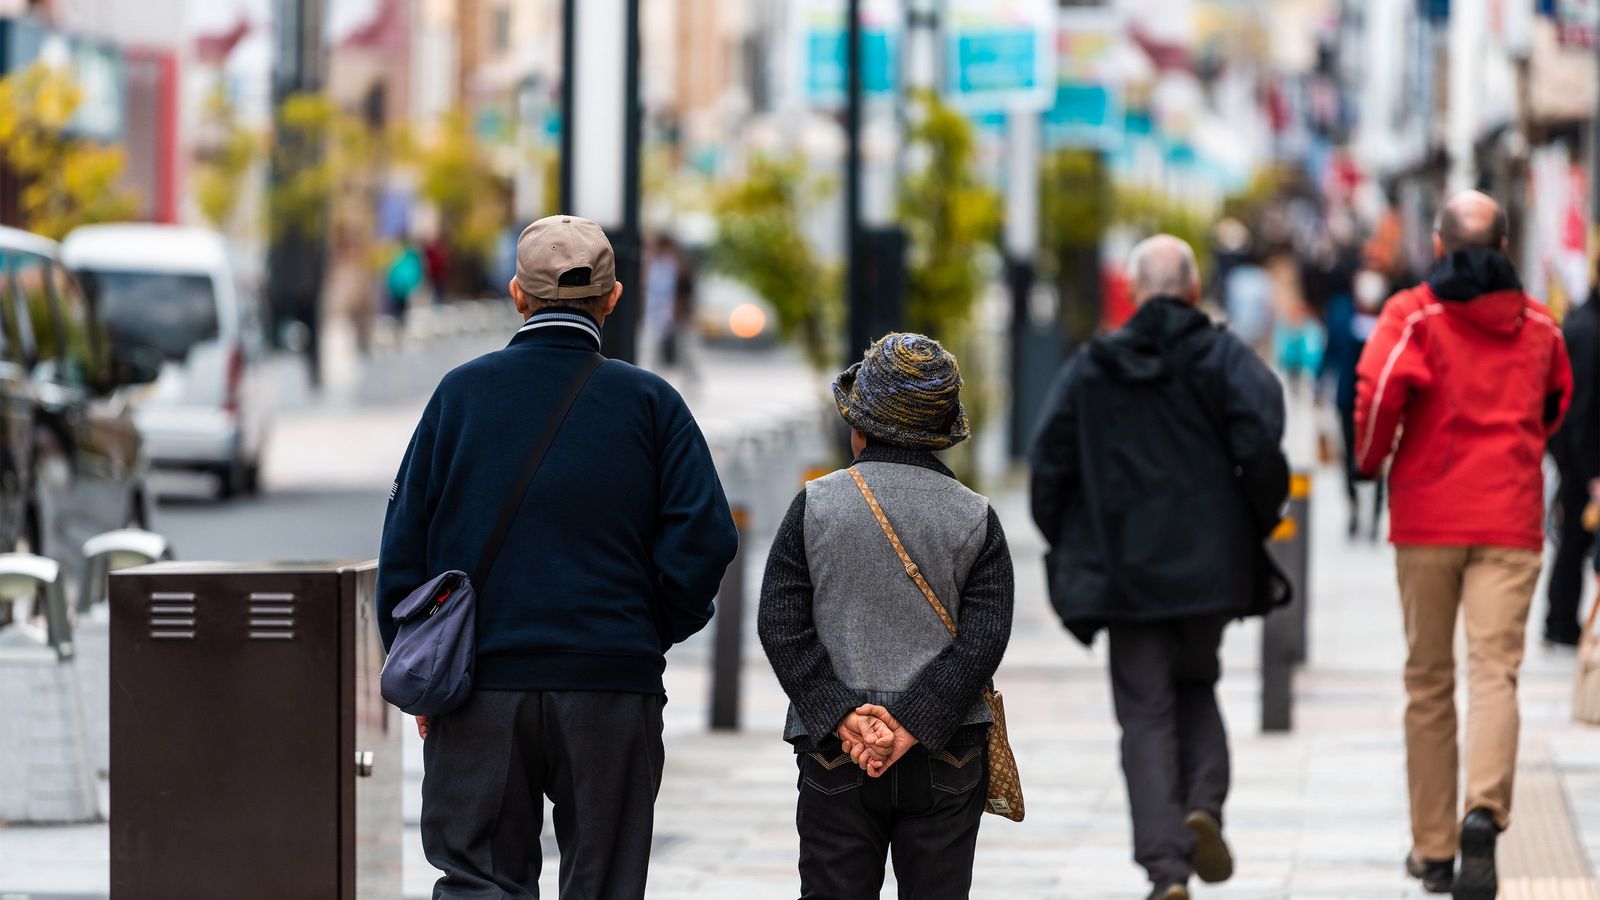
67 180
220 172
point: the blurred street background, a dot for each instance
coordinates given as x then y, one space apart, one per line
247 237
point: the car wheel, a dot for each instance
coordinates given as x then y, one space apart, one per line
250 475
230 479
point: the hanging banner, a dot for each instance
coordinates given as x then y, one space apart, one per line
823 53
1088 109
1000 54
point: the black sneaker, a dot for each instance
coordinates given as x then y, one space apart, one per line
1477 880
1436 875
1211 858
1170 892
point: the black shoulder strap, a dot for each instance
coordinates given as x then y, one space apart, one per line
508 513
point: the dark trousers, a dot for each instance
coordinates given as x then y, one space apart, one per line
1567 569
924 811
1174 745
1352 477
490 764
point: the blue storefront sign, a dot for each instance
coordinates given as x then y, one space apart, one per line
1088 109
1085 115
1000 54
826 54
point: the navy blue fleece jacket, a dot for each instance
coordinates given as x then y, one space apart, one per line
620 543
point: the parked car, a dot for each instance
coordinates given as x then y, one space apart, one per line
182 292
71 460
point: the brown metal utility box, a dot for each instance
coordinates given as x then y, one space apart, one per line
252 755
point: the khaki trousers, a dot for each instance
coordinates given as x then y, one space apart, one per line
1493 588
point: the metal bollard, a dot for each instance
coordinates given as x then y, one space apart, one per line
1285 632
727 653
102 555
24 576
45 773
114 550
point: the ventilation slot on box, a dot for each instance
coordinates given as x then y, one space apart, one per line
172 617
271 617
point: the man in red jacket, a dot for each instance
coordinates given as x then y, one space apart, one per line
1463 381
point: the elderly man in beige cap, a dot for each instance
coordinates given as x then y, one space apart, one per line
611 555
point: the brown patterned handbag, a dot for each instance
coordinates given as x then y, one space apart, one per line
1005 783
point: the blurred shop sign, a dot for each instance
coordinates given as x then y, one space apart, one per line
1577 21
1000 54
1088 110
97 68
1561 78
824 51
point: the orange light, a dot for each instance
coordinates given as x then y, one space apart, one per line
747 321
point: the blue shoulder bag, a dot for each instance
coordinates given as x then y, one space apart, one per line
429 669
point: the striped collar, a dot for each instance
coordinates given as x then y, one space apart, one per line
562 317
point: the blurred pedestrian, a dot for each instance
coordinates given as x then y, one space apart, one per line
1297 335
1157 475
436 258
352 289
1576 450
861 650
404 277
614 557
1464 380
1352 315
661 306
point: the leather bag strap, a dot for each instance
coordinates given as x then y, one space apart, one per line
900 551
541 446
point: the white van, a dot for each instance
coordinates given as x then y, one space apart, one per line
181 292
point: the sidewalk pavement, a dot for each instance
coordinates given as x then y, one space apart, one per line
1317 813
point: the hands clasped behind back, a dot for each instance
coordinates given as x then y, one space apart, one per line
874 739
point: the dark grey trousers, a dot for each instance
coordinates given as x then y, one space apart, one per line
489 765
1174 745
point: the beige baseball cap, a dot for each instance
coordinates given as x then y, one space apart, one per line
554 246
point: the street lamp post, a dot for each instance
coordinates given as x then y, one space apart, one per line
860 310
601 130
1034 343
875 246
296 257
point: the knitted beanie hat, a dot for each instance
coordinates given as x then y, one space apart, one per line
906 391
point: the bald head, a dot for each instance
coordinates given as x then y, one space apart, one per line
1470 220
1163 266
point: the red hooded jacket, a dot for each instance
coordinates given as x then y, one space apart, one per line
1464 380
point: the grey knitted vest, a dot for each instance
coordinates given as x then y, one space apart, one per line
878 629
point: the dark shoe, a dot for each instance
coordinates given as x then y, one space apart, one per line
1170 892
1436 875
1477 879
1562 641
1211 858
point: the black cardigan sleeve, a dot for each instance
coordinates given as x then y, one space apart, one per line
789 635
940 698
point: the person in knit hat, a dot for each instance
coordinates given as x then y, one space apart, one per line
886 713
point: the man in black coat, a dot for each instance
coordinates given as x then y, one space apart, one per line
1576 450
1157 475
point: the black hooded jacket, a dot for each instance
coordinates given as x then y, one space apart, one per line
1158 472
1576 447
